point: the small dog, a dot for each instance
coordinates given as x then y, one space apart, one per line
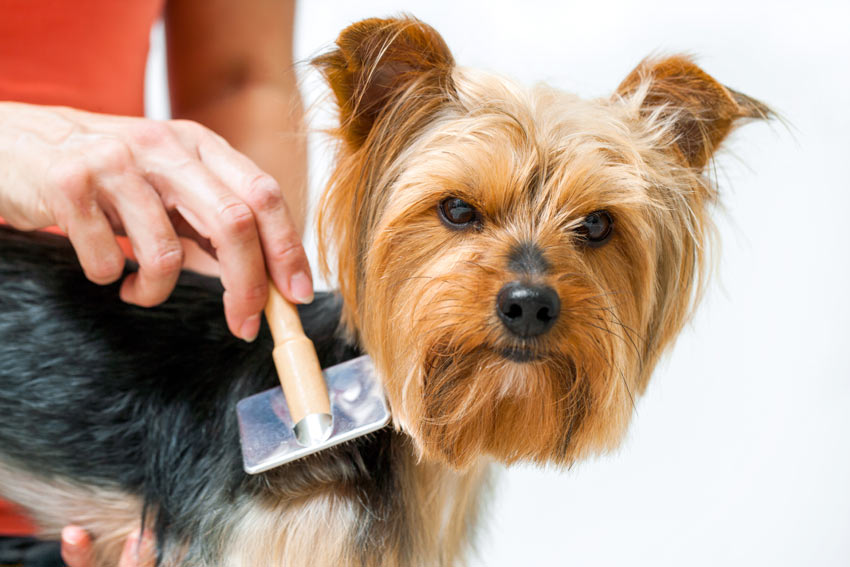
515 261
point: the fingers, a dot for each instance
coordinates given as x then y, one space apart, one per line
155 243
76 547
138 552
284 253
135 174
218 214
143 216
77 550
90 232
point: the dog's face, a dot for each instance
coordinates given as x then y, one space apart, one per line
515 260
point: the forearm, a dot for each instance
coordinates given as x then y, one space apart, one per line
265 121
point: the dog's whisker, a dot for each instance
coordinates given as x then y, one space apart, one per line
628 337
513 260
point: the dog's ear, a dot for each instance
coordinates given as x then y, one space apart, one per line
702 111
376 60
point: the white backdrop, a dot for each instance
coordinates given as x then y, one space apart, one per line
739 454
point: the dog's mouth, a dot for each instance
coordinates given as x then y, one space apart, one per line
520 354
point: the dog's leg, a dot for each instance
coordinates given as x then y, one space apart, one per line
426 515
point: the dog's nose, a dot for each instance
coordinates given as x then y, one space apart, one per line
527 310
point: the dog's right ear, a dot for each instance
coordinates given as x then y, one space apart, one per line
377 60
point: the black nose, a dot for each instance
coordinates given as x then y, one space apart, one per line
527 310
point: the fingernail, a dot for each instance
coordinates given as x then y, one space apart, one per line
250 328
73 536
301 288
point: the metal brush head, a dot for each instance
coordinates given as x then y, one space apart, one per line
270 439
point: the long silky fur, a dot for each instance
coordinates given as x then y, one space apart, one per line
109 406
532 162
129 411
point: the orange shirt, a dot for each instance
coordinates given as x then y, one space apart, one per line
12 524
86 54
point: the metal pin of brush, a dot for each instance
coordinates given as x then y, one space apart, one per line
313 410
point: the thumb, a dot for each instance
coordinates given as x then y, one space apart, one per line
76 547
138 552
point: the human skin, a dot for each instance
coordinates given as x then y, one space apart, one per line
214 175
95 175
139 550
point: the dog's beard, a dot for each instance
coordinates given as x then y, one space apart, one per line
464 387
470 391
476 401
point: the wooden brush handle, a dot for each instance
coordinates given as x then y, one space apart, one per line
295 359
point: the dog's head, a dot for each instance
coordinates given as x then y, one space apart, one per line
515 260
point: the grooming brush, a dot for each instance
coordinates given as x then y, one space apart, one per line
313 410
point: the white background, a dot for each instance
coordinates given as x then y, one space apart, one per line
739 454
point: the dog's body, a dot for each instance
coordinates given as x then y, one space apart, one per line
515 261
104 412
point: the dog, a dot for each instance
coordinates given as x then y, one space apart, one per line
514 260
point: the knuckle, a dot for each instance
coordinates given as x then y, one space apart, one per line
236 218
289 246
150 133
115 151
112 155
71 179
185 124
256 293
191 128
167 261
264 192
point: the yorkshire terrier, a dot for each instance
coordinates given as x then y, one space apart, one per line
514 260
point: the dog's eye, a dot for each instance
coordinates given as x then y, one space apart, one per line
596 228
457 213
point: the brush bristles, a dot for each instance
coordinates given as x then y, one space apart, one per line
514 260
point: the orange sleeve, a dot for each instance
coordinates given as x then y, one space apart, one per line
88 55
13 522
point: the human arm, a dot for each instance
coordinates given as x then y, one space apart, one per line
231 69
96 174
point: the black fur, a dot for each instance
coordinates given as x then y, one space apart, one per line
527 258
29 552
109 394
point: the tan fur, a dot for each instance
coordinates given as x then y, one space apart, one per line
109 515
284 527
420 296
533 163
322 528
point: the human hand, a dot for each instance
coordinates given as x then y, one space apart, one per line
77 549
95 175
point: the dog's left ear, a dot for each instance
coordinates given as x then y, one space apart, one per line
377 60
702 110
